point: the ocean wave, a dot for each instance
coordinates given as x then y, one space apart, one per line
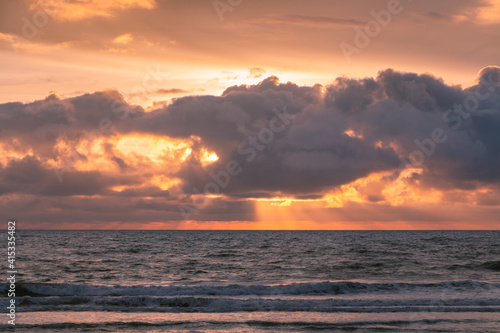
225 304
372 325
493 265
321 288
488 265
65 327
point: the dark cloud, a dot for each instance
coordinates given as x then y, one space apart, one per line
288 140
29 175
350 95
423 91
151 191
28 170
38 125
314 152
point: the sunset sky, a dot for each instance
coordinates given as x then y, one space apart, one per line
230 114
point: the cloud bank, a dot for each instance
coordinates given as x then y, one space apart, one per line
96 158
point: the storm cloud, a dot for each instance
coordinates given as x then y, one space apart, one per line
339 133
288 140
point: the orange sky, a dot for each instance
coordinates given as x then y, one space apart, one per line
149 54
73 47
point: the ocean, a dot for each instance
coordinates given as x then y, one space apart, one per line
255 281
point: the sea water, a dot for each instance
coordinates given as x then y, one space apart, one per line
256 281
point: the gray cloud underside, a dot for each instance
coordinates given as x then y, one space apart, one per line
312 154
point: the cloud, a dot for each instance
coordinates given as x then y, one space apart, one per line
123 39
72 10
342 143
29 175
475 12
7 38
488 73
18 43
314 153
171 91
445 17
256 72
44 125
311 21
489 13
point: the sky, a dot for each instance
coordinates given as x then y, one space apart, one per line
237 114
